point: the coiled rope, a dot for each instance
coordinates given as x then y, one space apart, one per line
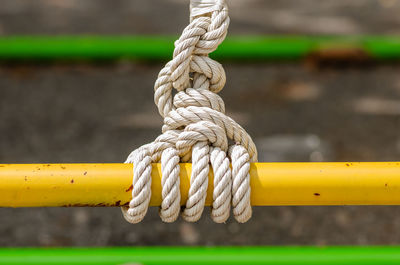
195 130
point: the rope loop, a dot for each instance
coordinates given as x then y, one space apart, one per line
196 129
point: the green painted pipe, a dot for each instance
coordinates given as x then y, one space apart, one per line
204 255
160 48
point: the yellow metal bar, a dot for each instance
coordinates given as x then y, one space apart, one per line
41 185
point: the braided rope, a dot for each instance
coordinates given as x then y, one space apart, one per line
196 129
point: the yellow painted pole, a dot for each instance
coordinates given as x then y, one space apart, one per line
41 185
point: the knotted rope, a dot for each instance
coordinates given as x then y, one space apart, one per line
196 129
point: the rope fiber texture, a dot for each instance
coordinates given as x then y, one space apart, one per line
196 129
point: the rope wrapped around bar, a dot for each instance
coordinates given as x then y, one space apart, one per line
195 130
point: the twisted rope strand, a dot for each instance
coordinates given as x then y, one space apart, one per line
170 182
222 193
198 182
141 191
241 183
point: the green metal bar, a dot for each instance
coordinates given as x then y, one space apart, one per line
204 255
160 47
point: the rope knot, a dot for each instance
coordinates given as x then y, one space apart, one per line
196 129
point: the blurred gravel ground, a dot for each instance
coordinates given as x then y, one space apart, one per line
99 113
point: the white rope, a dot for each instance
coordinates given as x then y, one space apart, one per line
141 187
222 194
198 182
196 129
171 197
241 183
201 7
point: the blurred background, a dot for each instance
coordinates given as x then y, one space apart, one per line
295 111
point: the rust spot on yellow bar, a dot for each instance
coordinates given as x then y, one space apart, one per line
130 188
115 204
